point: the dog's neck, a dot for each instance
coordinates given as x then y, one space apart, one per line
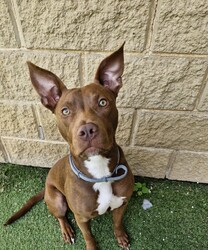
105 161
97 166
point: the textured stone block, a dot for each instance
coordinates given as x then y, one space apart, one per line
181 27
124 126
34 153
156 82
7 34
190 166
176 130
18 121
148 161
89 25
15 82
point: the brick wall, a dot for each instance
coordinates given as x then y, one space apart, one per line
164 101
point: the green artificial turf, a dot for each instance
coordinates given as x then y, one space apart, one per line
178 219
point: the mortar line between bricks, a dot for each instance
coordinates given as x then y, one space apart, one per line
18 102
105 53
151 148
5 152
174 54
150 26
19 26
194 112
39 124
25 102
62 50
82 69
12 5
13 20
33 140
170 163
134 126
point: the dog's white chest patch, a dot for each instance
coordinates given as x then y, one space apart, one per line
97 166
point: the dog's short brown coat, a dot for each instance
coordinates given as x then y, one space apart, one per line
87 118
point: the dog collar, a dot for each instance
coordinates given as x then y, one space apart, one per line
110 178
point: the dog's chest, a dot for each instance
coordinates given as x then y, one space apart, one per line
98 167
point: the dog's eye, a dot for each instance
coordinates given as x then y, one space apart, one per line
102 102
65 111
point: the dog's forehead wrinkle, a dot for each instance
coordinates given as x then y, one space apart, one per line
90 95
82 95
96 91
73 97
74 93
94 88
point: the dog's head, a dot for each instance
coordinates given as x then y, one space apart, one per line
87 117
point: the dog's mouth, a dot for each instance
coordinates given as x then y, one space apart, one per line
96 146
92 151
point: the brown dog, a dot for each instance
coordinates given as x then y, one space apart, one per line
95 177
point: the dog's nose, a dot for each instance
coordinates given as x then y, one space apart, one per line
88 131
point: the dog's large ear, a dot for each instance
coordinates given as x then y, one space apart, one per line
47 84
110 70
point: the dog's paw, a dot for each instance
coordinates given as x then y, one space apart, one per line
68 236
67 233
122 239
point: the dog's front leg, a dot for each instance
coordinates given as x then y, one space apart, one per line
57 205
120 234
84 225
